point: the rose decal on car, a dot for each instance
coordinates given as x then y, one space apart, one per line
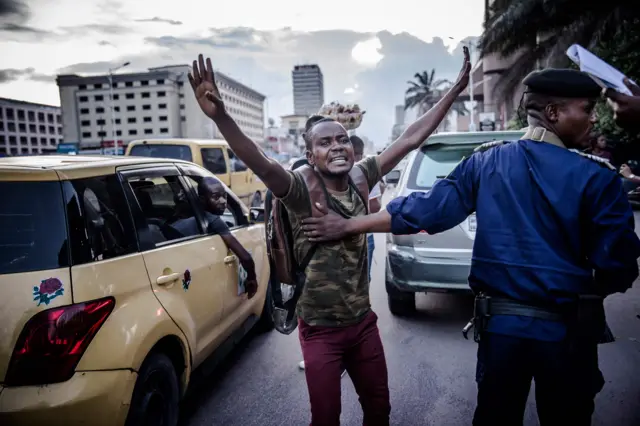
186 280
48 290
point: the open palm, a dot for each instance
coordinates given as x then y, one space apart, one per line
204 88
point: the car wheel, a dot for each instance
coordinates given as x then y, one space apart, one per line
265 323
256 201
156 394
401 303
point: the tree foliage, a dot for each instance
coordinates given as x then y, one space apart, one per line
425 92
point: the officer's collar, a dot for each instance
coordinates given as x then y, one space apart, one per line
540 134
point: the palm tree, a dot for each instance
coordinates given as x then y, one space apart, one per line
538 32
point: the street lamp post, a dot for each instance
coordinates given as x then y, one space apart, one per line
113 119
472 122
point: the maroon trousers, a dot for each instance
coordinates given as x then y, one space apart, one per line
327 351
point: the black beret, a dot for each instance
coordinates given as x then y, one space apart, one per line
563 83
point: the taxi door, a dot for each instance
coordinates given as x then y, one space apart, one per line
181 261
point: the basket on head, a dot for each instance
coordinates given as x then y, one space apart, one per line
350 116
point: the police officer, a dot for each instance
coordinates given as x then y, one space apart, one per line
555 236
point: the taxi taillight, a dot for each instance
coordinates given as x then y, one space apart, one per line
53 341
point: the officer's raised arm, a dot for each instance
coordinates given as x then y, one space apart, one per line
202 80
421 129
612 245
449 202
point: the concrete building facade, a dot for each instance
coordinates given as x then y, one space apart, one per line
29 128
308 89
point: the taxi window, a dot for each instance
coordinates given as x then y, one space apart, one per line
436 162
33 232
177 152
213 160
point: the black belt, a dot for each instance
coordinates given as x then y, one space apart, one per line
502 306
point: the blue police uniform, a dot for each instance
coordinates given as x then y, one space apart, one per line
553 225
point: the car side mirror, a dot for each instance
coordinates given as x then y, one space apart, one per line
256 215
393 177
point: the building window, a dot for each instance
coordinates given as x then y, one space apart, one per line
116 97
181 106
114 84
58 119
160 81
52 141
148 131
102 134
99 110
97 86
43 141
145 94
147 119
50 118
100 122
9 112
11 127
118 132
180 84
162 94
131 120
82 87
52 130
117 120
32 128
162 106
84 111
86 134
128 84
34 141
22 127
23 139
146 107
42 129
163 118
12 140
164 130
83 99
129 96
31 116
59 130
116 108
144 82
98 98
133 132
131 107
41 116
21 115
183 118
2 139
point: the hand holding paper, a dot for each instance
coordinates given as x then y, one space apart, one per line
604 74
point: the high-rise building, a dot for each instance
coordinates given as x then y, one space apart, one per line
152 104
308 89
28 128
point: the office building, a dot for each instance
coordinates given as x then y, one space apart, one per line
158 103
28 128
308 89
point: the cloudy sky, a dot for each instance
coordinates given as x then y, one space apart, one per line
366 51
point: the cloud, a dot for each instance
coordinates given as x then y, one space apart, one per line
28 34
12 74
14 8
264 60
158 20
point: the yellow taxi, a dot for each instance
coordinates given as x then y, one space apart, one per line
105 312
214 155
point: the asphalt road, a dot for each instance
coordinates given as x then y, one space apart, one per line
431 370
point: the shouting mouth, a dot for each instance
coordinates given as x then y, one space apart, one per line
339 161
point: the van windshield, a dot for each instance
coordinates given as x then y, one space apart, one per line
435 162
176 152
33 230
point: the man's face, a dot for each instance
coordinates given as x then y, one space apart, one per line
573 120
215 199
331 150
357 155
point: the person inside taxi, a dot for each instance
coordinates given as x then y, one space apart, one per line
213 198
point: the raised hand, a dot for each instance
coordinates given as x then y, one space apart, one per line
463 78
626 109
204 88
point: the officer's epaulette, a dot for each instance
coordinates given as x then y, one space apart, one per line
488 145
599 160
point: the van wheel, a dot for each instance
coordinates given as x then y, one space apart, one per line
256 201
265 323
401 304
156 394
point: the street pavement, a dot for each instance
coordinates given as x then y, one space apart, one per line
431 370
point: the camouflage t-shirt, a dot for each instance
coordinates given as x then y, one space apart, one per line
336 292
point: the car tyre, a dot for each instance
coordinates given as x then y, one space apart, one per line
265 323
156 394
401 304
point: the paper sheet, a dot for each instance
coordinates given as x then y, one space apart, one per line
603 73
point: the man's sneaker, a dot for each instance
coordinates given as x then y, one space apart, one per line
301 365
